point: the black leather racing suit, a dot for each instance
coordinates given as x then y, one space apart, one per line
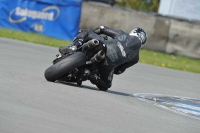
122 52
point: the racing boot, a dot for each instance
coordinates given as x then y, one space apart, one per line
77 42
67 49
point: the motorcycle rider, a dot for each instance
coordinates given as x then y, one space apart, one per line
122 51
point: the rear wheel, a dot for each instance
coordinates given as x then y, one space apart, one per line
66 65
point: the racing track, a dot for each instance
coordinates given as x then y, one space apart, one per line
30 104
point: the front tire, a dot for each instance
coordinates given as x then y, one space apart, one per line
64 66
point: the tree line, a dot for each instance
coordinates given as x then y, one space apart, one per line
141 5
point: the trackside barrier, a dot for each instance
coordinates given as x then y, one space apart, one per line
165 34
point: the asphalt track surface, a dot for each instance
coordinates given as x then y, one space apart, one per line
30 104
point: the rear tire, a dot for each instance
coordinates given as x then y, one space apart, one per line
61 68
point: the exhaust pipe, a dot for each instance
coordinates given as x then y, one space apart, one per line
98 57
90 45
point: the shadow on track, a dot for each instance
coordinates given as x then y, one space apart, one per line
94 88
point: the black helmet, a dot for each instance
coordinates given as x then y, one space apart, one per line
140 33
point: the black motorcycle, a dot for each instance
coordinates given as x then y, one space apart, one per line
75 65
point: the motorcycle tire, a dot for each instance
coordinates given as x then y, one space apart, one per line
64 66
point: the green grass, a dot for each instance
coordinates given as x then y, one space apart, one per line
33 37
170 61
146 56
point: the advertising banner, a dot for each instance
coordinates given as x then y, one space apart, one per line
54 18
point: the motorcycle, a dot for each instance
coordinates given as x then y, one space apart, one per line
76 65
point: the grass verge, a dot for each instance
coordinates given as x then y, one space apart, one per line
33 37
146 56
170 61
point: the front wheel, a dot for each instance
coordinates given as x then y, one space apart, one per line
66 65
